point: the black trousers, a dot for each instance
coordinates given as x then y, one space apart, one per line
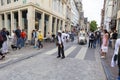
91 43
61 51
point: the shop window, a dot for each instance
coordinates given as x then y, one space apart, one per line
2 3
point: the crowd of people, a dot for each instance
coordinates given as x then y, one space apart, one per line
107 39
18 38
104 39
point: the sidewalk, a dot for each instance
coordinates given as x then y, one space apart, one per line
111 72
23 53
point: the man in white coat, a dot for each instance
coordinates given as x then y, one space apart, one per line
60 39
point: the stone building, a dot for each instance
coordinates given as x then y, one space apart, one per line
44 15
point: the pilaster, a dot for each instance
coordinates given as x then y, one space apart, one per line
31 20
55 26
50 24
63 26
20 19
43 19
5 15
12 21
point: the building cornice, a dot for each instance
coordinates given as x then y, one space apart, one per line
23 7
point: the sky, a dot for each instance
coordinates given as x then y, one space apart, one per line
92 10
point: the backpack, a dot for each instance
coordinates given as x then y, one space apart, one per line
92 37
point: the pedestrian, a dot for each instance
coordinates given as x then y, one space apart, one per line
110 40
18 35
95 39
60 39
48 37
33 37
98 37
116 57
14 40
23 37
36 38
40 39
53 37
1 43
5 45
91 40
105 41
114 37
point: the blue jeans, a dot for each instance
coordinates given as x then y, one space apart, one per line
94 44
19 42
23 42
98 40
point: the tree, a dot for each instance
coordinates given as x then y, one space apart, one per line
93 26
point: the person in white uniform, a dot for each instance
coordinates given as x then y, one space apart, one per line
60 39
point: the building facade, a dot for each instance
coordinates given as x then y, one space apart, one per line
44 15
118 18
74 13
108 14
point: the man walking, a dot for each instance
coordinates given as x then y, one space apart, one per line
4 45
18 35
60 45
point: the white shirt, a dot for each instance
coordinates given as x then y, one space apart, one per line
117 45
60 39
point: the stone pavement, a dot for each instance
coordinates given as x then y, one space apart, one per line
31 64
23 53
111 72
48 67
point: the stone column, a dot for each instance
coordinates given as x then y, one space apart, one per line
42 22
55 26
31 21
20 19
63 25
59 25
50 24
12 21
6 25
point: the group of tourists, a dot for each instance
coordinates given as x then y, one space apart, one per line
107 39
104 39
17 39
94 38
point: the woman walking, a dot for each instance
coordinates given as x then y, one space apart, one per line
105 41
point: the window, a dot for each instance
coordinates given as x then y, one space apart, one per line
8 1
15 0
2 3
